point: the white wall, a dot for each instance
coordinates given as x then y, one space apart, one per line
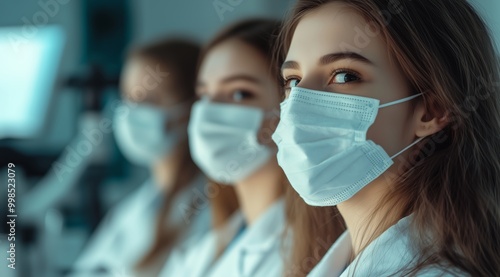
199 19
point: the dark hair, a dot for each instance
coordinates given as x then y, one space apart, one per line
179 56
452 191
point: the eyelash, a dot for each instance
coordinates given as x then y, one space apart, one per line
245 95
289 78
345 70
332 75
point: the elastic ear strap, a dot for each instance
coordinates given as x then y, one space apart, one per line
399 101
407 147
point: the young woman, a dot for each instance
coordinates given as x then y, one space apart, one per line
151 130
229 134
392 115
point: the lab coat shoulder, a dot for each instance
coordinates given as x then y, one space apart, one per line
196 258
128 230
391 254
191 261
100 246
257 252
193 218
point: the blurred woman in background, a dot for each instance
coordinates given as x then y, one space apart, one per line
366 81
151 130
229 134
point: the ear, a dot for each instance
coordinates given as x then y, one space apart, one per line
429 118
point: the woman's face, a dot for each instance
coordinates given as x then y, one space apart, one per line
335 49
140 83
144 81
236 73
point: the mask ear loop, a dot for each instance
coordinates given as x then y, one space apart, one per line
399 101
407 147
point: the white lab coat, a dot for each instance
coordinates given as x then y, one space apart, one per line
127 231
255 252
386 255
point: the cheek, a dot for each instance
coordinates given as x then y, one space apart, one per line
271 94
393 128
268 127
272 99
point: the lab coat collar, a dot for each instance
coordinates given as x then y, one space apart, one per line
182 203
150 194
385 255
227 232
198 259
256 248
336 259
262 237
262 234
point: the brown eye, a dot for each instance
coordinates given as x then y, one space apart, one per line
240 95
345 77
292 82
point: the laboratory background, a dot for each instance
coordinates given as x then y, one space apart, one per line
60 65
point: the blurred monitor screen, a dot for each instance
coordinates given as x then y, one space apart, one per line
29 61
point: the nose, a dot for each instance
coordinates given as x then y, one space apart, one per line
312 82
216 97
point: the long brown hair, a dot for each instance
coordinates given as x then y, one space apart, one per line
312 231
451 185
179 56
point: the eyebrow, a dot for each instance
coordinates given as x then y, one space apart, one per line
234 78
241 77
330 58
290 65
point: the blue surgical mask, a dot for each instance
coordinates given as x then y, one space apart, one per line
140 131
223 140
322 145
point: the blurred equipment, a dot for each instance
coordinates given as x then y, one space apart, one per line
30 60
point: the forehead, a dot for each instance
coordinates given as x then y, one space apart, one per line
133 70
231 57
332 28
137 69
139 82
